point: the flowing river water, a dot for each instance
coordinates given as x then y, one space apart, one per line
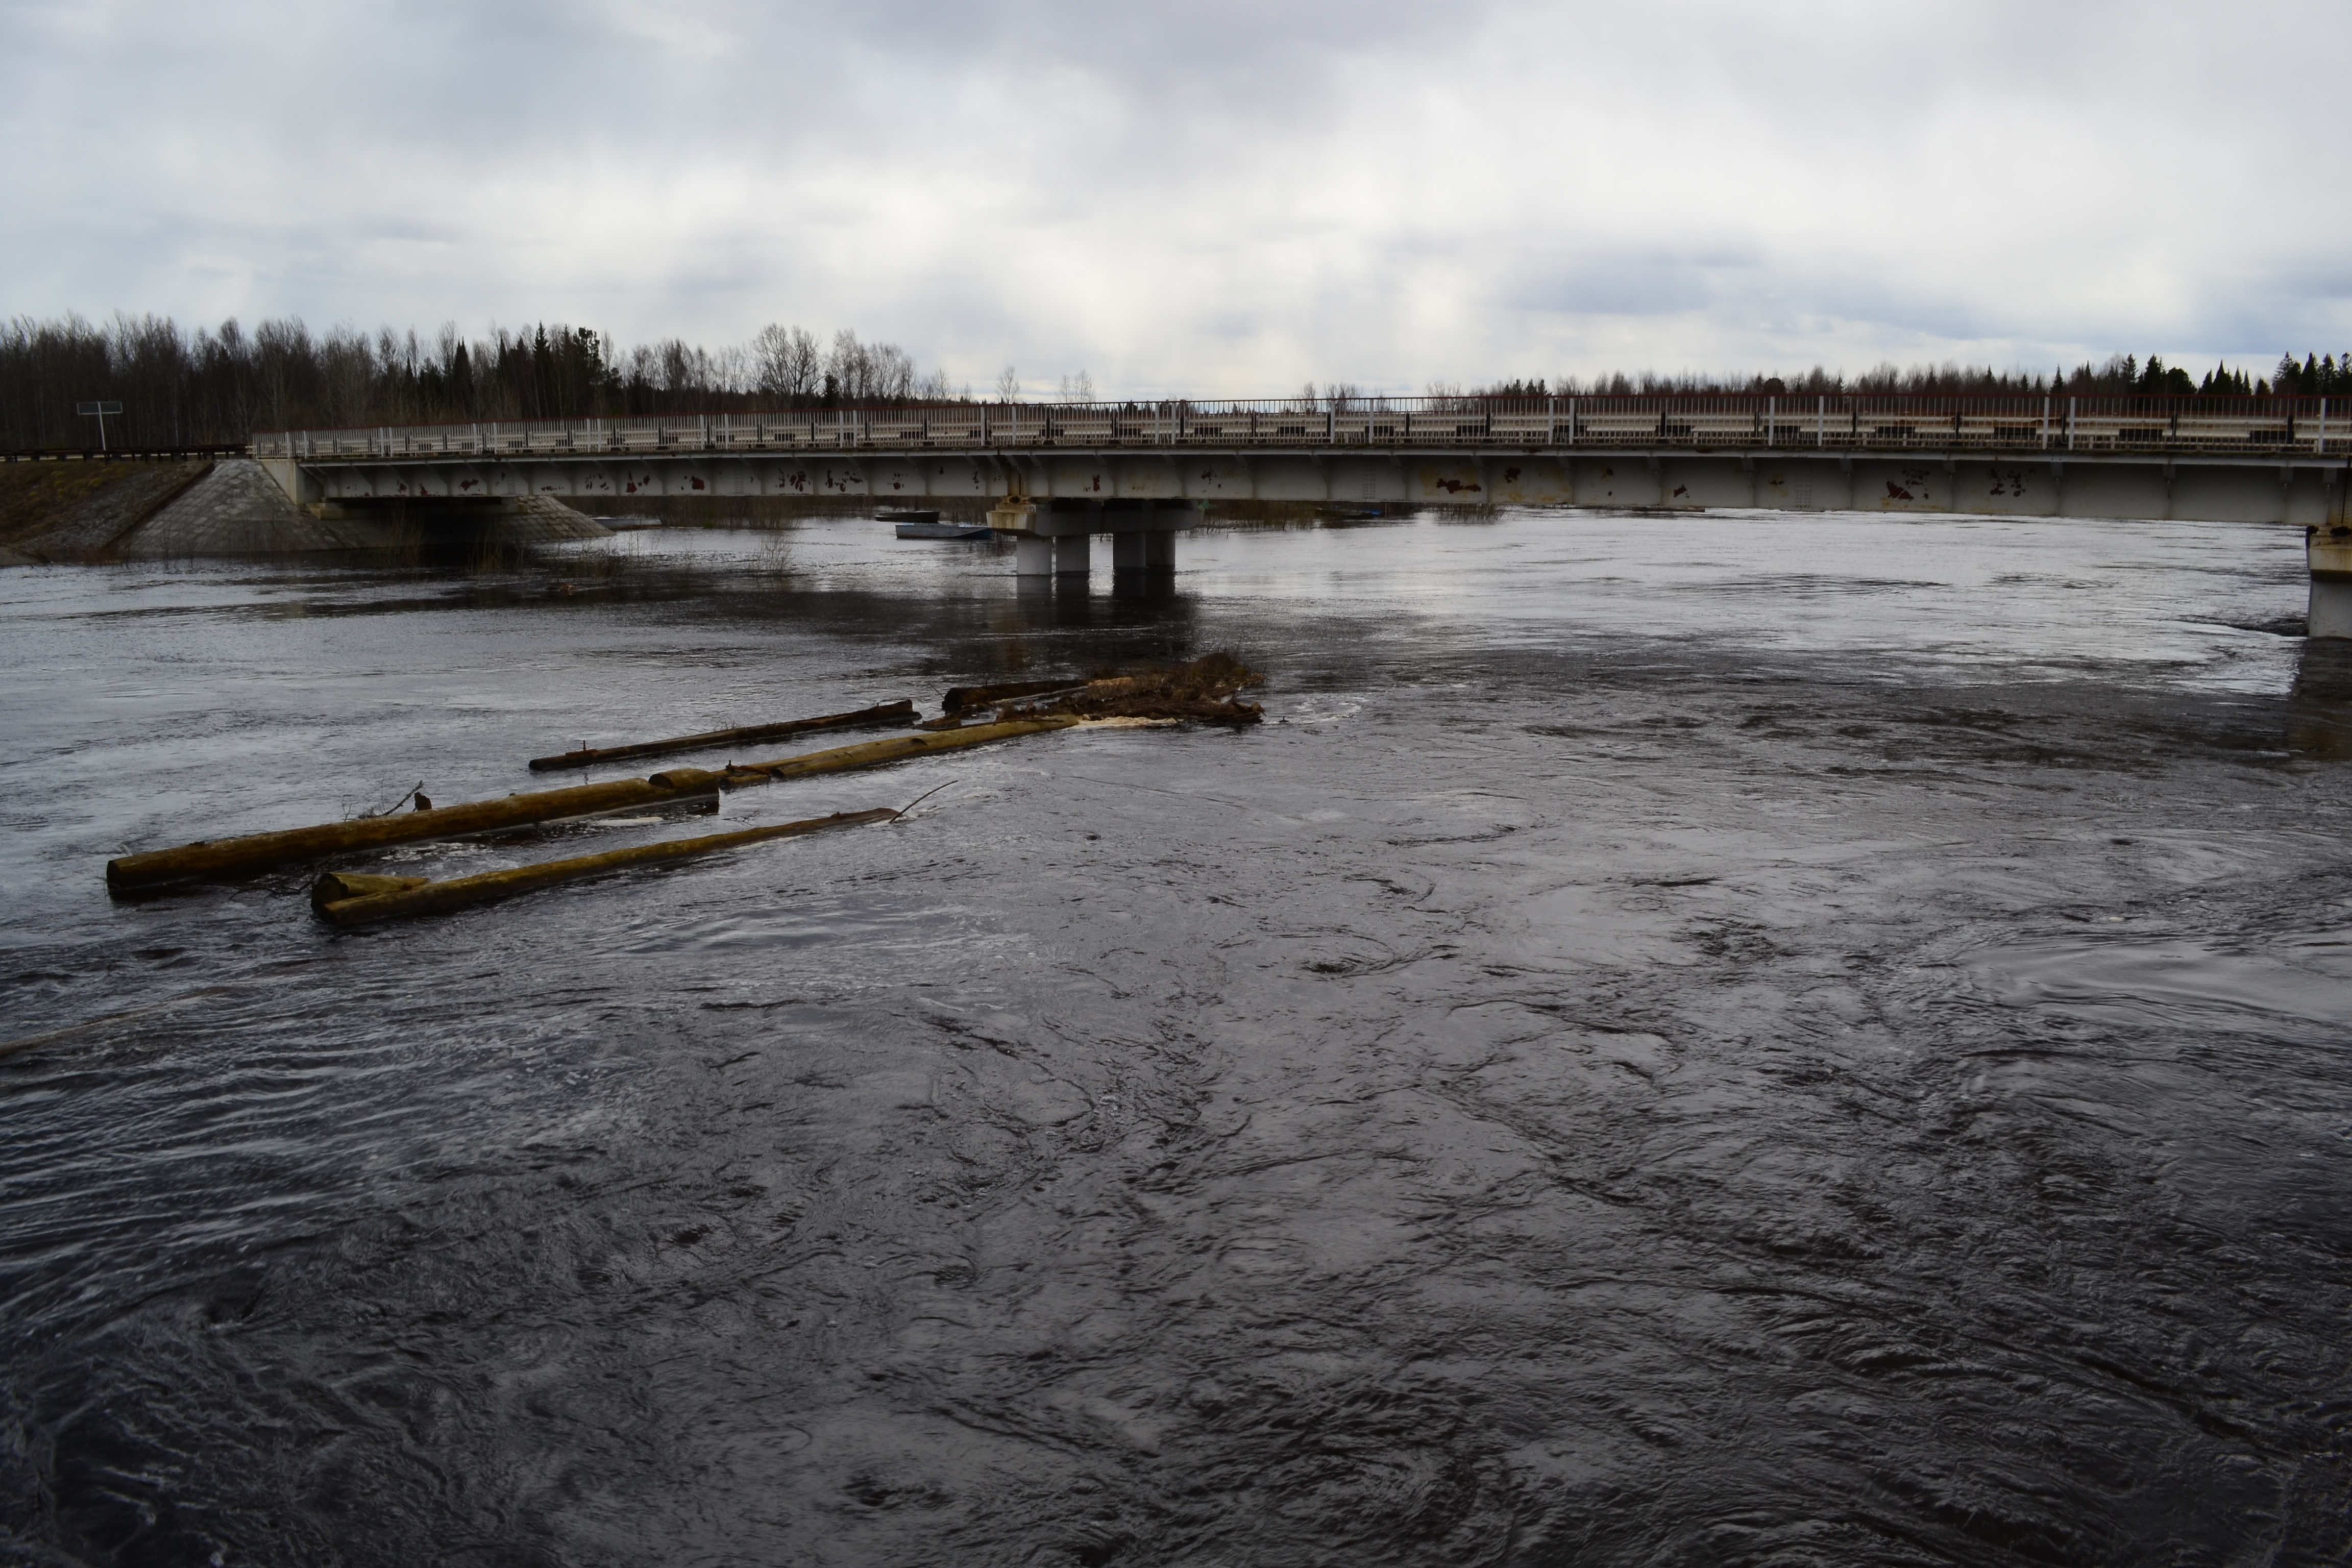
1700 1040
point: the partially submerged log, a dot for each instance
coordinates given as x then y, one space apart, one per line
880 753
418 897
900 713
261 851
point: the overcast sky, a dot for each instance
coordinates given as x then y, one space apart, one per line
1213 196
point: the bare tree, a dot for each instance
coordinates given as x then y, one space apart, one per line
890 373
786 361
1008 385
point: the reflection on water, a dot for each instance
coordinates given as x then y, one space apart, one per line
1809 1039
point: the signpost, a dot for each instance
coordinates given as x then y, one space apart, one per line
97 411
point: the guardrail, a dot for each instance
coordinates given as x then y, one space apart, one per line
120 453
2239 426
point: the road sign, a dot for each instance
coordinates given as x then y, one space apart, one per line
97 411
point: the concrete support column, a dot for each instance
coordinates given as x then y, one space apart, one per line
1071 554
2331 607
1033 556
1126 551
2329 552
1160 552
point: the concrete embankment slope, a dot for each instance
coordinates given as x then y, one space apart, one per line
238 510
56 513
543 520
77 511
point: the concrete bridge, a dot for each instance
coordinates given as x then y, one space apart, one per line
1141 472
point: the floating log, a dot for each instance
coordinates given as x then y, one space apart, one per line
423 898
961 697
261 851
901 713
880 753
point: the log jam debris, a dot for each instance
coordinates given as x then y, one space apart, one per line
265 851
1206 690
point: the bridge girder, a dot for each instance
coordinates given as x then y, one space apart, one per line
2245 488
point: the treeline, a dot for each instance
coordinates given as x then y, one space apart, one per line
216 386
2122 374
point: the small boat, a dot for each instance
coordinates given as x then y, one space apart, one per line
913 523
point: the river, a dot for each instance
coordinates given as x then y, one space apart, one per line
1695 1040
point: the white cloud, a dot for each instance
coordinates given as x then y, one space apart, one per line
1211 196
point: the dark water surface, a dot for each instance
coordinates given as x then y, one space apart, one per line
1704 1040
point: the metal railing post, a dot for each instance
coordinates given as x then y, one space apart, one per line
1820 420
2073 406
2045 423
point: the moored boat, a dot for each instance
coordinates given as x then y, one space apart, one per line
913 523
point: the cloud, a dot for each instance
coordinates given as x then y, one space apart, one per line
1214 196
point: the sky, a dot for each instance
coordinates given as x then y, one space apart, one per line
1215 197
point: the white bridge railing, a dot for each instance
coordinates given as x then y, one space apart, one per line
2202 426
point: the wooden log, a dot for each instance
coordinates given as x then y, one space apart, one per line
261 851
900 713
332 886
881 753
463 893
962 697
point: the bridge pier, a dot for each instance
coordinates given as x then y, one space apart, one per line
1139 551
1055 537
2329 551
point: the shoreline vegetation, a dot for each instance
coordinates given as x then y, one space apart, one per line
182 388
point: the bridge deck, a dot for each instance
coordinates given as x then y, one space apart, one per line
2251 459
2263 427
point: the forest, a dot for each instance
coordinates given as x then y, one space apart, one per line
214 387
2315 376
